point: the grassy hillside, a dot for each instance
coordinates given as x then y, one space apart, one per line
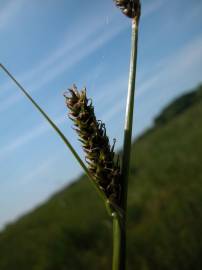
72 231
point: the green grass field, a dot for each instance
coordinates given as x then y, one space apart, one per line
72 230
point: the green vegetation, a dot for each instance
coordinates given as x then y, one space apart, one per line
107 176
72 230
179 106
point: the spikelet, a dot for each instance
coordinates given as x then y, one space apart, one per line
131 8
99 156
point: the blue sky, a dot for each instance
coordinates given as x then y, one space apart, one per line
49 45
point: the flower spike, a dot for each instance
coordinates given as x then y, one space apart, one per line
131 8
99 155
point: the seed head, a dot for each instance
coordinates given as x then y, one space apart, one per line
99 155
131 8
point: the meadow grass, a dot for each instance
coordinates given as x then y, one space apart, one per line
164 208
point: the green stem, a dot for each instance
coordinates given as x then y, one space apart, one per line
58 131
129 114
119 225
119 240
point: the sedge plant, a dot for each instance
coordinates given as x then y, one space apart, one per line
101 164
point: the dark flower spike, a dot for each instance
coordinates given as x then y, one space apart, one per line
131 8
99 154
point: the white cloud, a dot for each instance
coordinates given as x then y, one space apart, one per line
77 56
8 12
110 90
27 137
39 171
112 112
180 66
172 69
65 56
41 129
151 6
166 74
25 193
22 140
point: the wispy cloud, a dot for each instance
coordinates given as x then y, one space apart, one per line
152 6
71 52
23 191
41 129
181 66
177 67
40 171
172 69
64 58
104 93
112 112
27 137
8 12
78 56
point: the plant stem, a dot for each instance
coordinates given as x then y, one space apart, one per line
118 260
119 224
58 131
129 114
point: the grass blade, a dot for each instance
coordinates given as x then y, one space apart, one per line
58 131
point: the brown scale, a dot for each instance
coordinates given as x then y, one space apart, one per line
98 154
131 8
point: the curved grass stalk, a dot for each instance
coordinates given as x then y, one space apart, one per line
61 135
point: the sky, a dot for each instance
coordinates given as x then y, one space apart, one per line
48 46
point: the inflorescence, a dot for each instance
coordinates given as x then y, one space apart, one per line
131 8
99 155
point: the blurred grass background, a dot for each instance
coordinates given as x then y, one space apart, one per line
73 231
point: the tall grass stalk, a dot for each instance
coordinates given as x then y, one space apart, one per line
119 224
105 173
